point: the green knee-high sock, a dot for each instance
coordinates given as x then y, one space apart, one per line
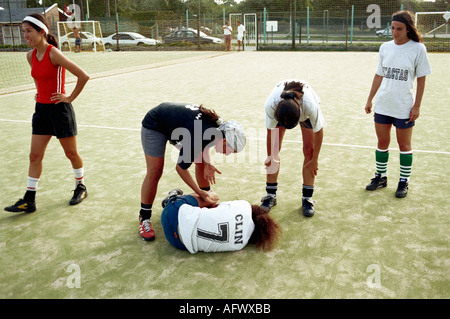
381 158
406 159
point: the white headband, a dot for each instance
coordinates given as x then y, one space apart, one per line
37 23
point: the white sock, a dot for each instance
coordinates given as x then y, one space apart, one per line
32 184
79 175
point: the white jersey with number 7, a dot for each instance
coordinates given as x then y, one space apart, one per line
227 227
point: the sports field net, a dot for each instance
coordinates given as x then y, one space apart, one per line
88 33
151 25
434 27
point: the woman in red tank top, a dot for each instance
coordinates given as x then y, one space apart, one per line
54 115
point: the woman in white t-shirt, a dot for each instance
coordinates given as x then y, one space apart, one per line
193 224
400 62
227 29
293 102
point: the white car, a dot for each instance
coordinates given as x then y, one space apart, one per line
128 39
88 41
386 32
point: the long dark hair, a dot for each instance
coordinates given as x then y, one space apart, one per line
407 17
288 111
267 230
49 37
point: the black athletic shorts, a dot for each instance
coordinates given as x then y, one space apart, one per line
54 119
398 123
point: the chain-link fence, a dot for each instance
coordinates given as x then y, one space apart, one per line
198 24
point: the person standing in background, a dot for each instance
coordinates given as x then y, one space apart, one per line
227 29
76 34
241 34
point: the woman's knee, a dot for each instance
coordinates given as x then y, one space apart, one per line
308 150
154 173
36 157
72 155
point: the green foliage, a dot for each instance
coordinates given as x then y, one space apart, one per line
135 8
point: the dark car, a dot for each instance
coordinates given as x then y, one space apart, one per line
191 37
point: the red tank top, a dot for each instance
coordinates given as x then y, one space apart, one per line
49 78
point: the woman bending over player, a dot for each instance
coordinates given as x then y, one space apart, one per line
54 114
400 62
292 102
193 224
193 130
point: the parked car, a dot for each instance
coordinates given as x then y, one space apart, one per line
191 37
386 32
88 40
128 39
206 30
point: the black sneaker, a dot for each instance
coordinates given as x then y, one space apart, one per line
172 194
79 194
402 189
22 206
377 182
308 207
268 202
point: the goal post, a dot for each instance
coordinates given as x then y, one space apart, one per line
429 22
434 28
250 22
89 32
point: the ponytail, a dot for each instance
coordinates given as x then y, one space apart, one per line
294 86
209 115
291 94
52 40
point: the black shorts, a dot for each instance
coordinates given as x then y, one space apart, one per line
398 123
54 119
306 124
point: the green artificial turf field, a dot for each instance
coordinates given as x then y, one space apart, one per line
358 245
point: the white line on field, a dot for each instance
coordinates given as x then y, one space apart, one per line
250 138
355 146
82 125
